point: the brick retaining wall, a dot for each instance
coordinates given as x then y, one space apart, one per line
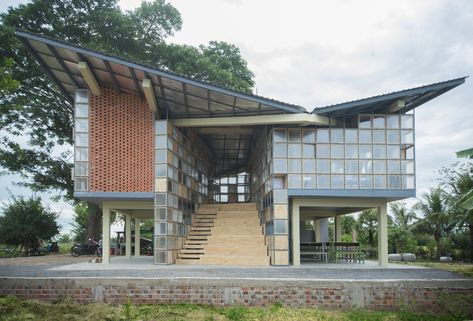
381 295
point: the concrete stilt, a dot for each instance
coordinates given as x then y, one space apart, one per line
137 237
383 234
338 228
105 234
128 236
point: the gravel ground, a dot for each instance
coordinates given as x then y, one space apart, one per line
67 266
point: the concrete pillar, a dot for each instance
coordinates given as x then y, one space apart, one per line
338 228
317 231
137 236
324 236
105 234
128 236
383 234
296 255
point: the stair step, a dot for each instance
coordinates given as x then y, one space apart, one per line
191 251
187 261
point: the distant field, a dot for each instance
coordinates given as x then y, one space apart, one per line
12 308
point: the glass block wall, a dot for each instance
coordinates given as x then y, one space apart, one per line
81 141
270 194
181 183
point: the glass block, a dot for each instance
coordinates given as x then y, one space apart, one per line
81 169
351 151
81 140
161 156
294 135
160 170
294 150
337 166
323 166
160 242
308 166
223 189
407 137
323 181
160 142
365 182
364 121
81 110
407 153
407 167
379 151
394 181
351 166
394 151
82 96
160 214
365 151
279 135
365 166
81 184
278 182
294 181
378 121
336 136
160 257
407 121
280 150
81 125
323 151
323 136
408 181
351 136
280 166
308 151
365 136
280 196
160 199
392 121
308 181
351 181
379 181
160 228
308 136
280 227
294 166
81 154
161 127
379 167
394 167
394 136
337 151
379 137
337 181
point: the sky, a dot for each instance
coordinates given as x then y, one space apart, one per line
316 53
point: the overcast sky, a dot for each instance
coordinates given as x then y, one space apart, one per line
314 53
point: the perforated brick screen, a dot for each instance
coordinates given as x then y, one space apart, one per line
121 143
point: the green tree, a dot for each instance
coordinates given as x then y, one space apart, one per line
23 221
80 218
436 216
40 113
367 225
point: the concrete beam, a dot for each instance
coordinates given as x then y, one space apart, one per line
89 78
285 119
147 86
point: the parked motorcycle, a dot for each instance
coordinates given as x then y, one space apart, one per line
87 249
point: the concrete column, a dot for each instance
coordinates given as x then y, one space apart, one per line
383 234
296 255
128 236
338 228
317 231
324 236
105 234
137 236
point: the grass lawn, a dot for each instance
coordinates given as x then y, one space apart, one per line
12 308
465 269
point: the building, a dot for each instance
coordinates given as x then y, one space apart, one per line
153 144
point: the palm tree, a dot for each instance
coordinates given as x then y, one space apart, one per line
368 221
400 236
402 215
436 221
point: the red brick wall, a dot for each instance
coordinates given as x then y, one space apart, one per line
121 143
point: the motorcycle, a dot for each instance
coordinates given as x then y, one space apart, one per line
87 249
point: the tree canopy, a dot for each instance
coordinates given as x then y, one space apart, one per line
23 221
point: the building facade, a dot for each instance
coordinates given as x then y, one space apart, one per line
150 144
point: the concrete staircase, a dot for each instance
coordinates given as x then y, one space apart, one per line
225 234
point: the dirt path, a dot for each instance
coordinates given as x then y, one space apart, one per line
52 259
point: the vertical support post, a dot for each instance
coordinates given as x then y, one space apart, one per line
128 236
383 234
317 231
105 233
338 228
137 237
296 256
